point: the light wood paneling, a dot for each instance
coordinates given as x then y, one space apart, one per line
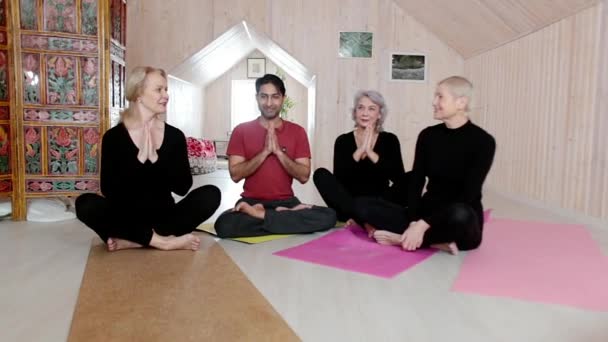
537 95
164 33
473 26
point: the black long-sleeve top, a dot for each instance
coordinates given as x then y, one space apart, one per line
365 178
456 163
130 185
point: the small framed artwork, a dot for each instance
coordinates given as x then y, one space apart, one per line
409 67
256 67
356 44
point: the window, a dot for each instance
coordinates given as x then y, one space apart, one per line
244 106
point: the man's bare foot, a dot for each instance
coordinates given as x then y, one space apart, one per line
115 244
449 247
384 237
256 210
169 243
297 207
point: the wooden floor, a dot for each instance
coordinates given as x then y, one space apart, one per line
42 266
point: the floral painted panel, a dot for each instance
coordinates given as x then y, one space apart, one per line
3 39
63 150
29 17
116 51
61 80
3 13
4 75
118 25
115 84
91 150
60 115
31 78
5 160
90 84
89 17
60 15
6 185
33 41
47 185
33 156
5 113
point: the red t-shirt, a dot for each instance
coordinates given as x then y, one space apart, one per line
270 181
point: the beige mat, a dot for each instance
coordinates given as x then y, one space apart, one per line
151 295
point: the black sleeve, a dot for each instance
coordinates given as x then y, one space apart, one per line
479 169
343 159
391 161
109 164
180 178
417 177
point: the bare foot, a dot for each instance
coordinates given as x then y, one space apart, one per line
447 247
384 237
297 207
115 244
169 243
302 206
349 222
256 210
369 229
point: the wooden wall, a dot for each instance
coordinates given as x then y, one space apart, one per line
165 32
539 97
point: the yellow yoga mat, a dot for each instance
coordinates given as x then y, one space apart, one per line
209 228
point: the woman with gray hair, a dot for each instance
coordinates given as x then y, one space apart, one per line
366 161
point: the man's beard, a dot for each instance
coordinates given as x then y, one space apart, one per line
271 115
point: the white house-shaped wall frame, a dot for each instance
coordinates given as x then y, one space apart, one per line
205 66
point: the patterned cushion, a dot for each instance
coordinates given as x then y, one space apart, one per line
201 154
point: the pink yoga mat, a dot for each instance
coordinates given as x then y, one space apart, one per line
540 262
350 249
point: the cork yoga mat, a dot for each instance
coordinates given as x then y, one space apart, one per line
151 295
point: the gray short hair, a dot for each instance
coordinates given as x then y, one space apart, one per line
376 98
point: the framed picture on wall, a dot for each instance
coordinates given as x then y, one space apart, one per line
356 44
256 67
409 67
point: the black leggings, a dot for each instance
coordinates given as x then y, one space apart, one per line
457 222
337 197
107 221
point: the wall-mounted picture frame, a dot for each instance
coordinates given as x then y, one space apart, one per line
408 67
256 67
356 44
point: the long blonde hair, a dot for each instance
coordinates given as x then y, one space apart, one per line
135 86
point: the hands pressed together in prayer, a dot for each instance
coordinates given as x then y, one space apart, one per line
271 146
149 142
366 150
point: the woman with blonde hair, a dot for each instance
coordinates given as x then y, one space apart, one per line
367 161
143 161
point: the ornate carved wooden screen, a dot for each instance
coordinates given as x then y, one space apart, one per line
6 96
61 103
118 13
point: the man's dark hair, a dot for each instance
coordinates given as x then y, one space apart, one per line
272 79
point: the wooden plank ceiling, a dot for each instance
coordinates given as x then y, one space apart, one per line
472 27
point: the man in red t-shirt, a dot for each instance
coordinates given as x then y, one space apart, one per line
269 153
